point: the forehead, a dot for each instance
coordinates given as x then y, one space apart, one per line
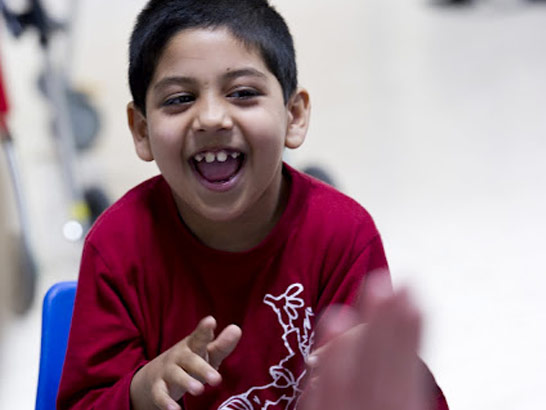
201 51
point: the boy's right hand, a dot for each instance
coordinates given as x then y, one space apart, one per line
185 367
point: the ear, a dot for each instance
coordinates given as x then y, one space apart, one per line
139 128
299 110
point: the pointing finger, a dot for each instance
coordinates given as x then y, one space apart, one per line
223 345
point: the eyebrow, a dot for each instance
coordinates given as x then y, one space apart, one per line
243 72
229 75
175 80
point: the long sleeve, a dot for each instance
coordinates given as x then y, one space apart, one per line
105 347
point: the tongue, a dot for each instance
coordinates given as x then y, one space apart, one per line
218 171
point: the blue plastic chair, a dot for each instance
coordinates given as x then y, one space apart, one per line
56 317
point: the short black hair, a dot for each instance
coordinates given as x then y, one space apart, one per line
254 22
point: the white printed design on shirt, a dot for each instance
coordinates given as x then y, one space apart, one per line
285 388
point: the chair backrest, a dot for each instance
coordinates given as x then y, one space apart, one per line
56 317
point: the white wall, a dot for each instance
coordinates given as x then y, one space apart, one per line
433 119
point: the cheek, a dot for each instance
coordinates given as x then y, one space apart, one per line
165 137
268 130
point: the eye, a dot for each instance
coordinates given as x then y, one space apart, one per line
181 99
244 94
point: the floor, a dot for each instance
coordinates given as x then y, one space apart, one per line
432 117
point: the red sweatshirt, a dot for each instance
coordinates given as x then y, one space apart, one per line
146 281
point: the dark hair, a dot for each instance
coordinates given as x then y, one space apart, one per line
254 22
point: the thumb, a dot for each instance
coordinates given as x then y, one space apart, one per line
335 321
223 345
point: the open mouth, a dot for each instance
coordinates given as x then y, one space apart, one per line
217 167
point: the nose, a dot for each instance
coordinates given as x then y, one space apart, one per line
212 114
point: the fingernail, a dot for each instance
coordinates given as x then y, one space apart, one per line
213 378
312 360
195 387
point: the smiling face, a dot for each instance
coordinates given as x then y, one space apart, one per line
216 125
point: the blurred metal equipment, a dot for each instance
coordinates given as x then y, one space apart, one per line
25 281
318 172
455 2
463 3
75 124
74 120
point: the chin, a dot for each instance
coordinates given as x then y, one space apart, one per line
221 215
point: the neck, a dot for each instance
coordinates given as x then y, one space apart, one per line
246 231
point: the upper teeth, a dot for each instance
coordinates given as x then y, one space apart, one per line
220 156
210 157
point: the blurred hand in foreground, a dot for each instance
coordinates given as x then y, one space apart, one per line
371 366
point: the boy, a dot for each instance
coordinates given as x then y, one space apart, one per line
227 238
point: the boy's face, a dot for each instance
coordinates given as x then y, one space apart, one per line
216 125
